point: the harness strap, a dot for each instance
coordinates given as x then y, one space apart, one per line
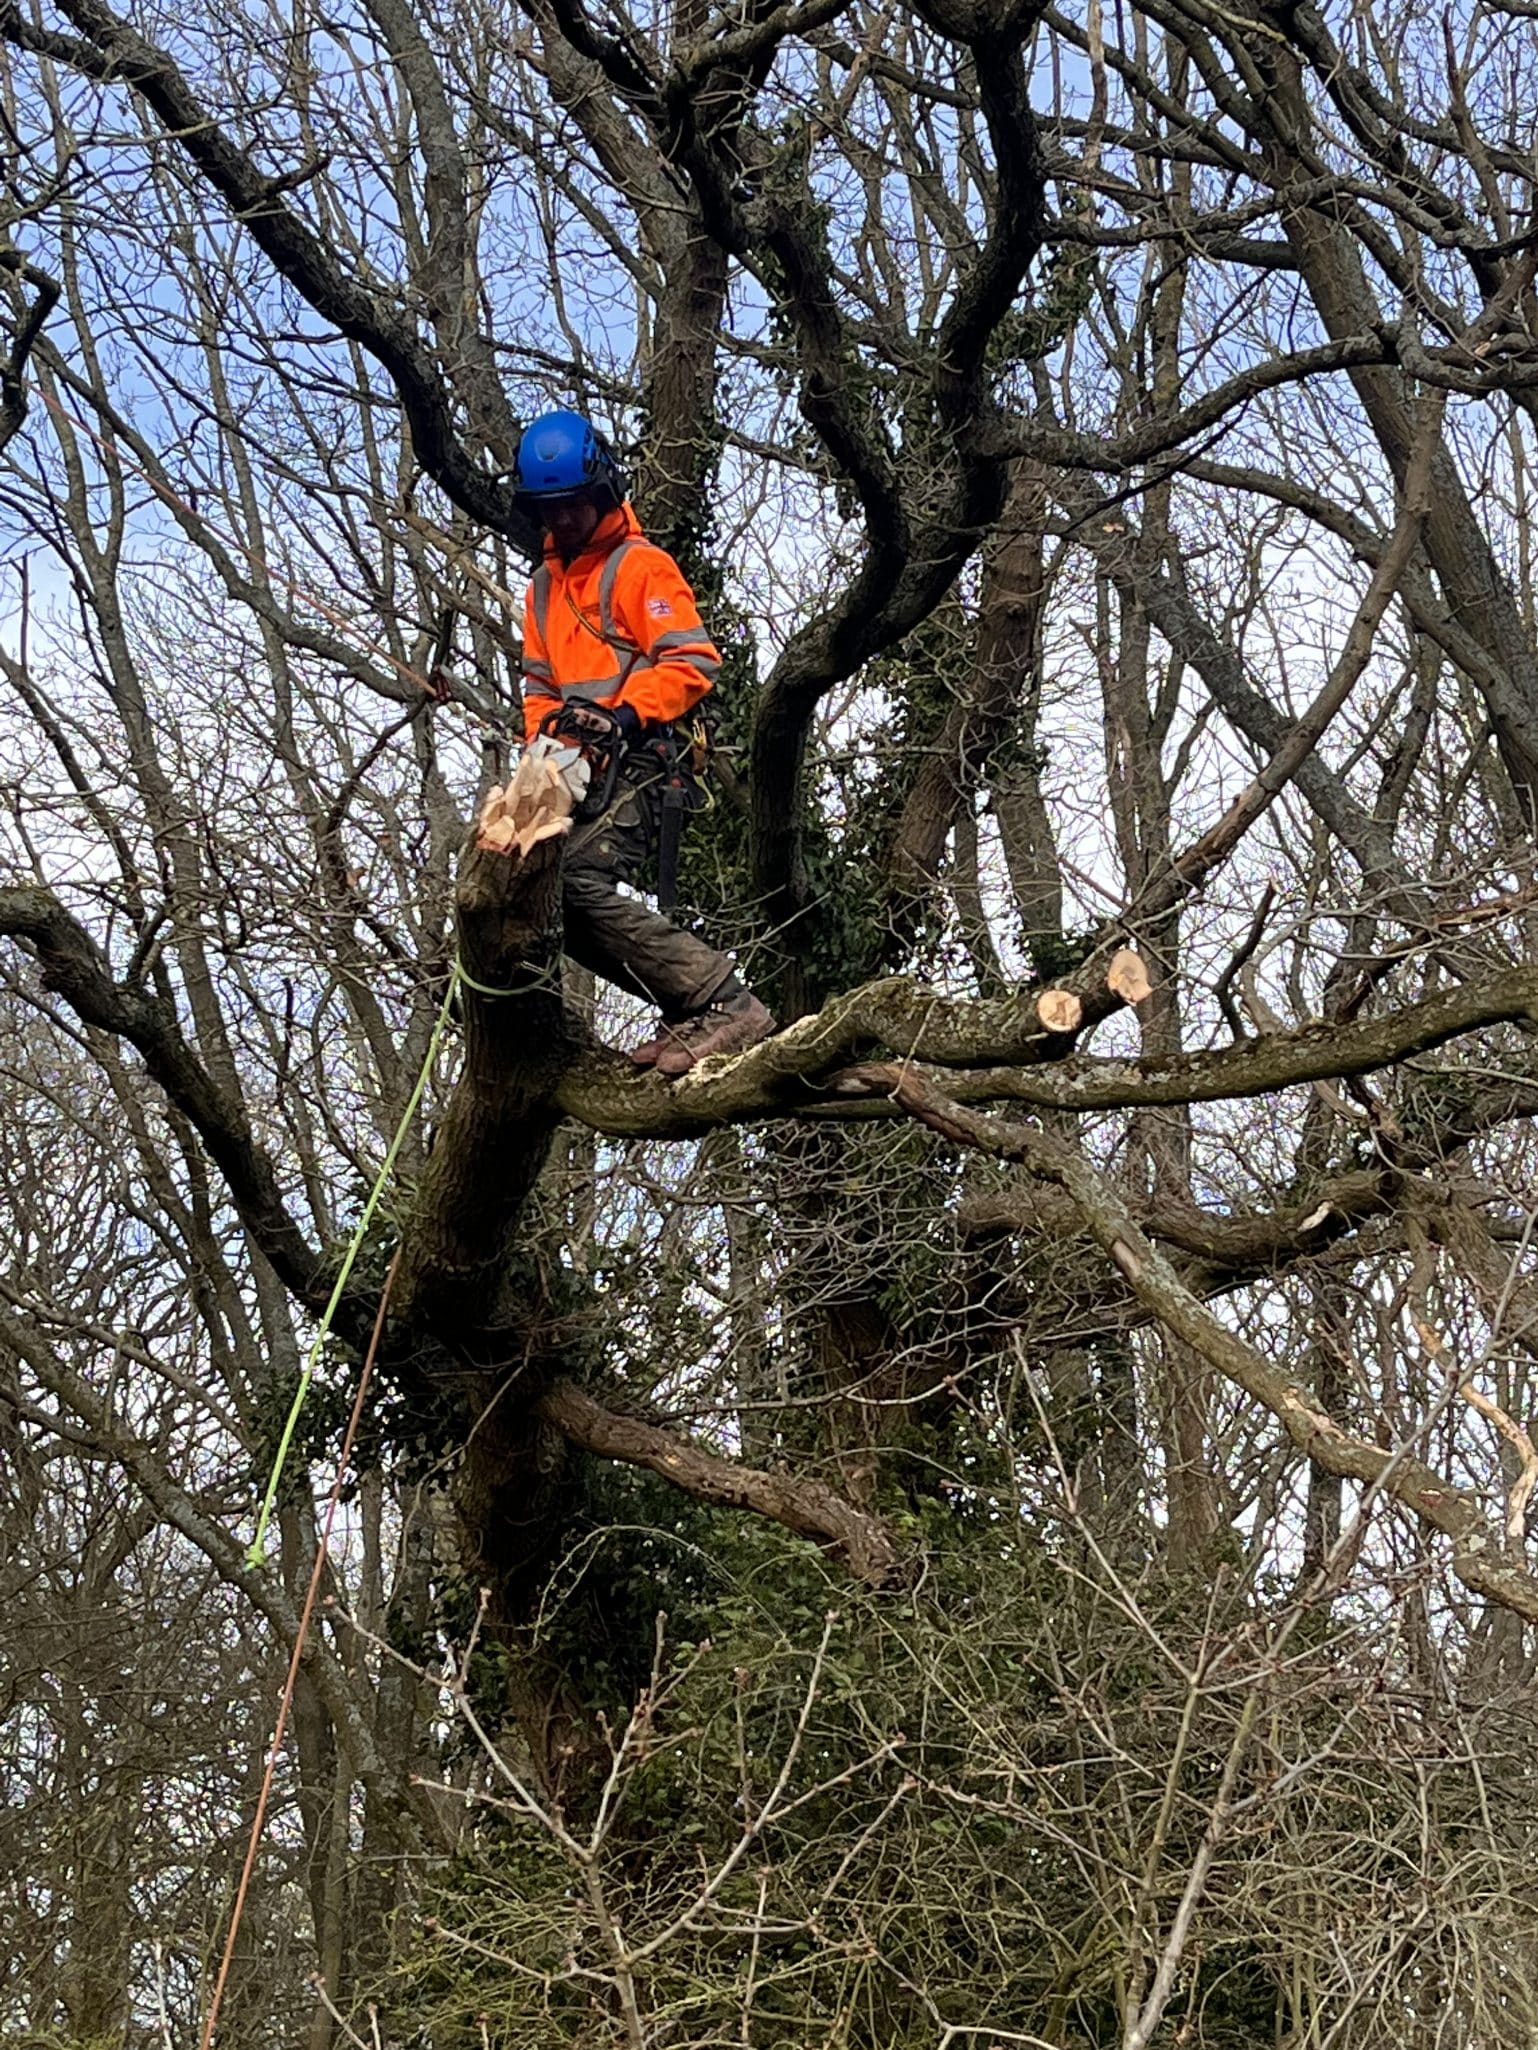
670 832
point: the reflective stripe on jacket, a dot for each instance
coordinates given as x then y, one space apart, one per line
616 625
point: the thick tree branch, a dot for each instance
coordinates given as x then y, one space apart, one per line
805 1506
522 1068
1005 669
75 968
798 1071
624 61
1017 220
745 43
1115 454
491 1144
905 570
13 390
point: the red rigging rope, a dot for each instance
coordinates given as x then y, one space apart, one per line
285 1705
344 625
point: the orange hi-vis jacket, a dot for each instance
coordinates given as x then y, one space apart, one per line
616 625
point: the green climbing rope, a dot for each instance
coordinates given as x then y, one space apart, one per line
257 1555
546 978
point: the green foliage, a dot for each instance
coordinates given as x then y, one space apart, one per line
1060 296
59 2039
917 683
949 1828
634 1549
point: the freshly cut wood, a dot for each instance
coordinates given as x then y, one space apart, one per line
1128 977
498 836
536 804
1059 1010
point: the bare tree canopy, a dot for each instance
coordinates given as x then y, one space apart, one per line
1002 1514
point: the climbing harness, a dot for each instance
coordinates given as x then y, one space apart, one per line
659 765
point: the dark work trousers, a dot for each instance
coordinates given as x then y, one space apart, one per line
618 937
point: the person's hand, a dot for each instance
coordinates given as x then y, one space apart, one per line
587 719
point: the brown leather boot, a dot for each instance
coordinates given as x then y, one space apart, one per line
742 1021
645 1055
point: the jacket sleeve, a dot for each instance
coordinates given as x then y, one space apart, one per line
654 608
540 696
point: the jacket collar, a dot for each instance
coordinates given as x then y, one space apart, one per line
619 525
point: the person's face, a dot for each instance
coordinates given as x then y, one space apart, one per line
570 522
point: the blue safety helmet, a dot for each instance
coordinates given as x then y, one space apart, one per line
560 456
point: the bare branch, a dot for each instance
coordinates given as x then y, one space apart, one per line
74 966
114 52
13 390
1477 1554
805 1506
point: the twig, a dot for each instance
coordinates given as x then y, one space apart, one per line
1140 2030
1522 1487
1222 989
317 1985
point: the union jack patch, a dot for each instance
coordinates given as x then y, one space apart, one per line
659 608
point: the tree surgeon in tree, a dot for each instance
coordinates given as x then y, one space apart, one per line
613 653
